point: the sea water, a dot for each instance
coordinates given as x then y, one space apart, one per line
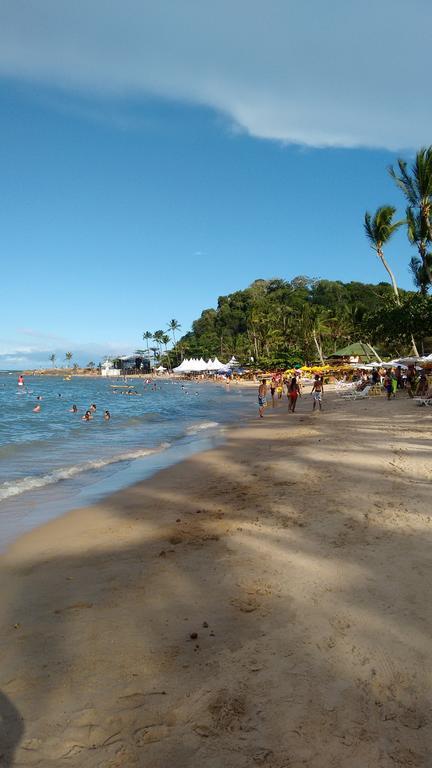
52 461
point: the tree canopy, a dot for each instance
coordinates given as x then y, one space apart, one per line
275 323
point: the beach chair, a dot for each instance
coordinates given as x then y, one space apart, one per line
423 401
343 387
356 395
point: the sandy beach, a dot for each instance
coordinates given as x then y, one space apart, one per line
266 603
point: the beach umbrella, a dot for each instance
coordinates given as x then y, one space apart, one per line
407 360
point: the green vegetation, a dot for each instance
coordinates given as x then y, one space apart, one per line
275 323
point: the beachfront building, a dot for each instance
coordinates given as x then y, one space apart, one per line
108 369
359 352
126 365
132 364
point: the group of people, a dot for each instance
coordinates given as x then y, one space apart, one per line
395 379
89 413
293 390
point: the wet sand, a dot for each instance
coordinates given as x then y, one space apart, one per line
266 603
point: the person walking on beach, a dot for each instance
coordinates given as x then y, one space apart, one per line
410 381
388 385
262 399
273 390
317 392
293 394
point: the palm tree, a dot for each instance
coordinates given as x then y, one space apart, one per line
90 365
419 275
68 357
53 359
157 336
416 185
174 326
379 230
147 335
165 340
418 236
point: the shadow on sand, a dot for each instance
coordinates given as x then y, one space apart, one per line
236 611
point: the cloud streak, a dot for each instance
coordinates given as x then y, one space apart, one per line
318 74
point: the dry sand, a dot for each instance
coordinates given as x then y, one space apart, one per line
263 604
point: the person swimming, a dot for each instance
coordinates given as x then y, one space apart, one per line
107 415
87 416
93 407
74 409
20 381
36 409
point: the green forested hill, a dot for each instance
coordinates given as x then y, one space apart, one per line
278 323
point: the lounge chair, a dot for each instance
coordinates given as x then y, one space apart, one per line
423 400
357 395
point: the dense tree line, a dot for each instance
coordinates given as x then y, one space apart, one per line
275 323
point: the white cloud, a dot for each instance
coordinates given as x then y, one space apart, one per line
320 73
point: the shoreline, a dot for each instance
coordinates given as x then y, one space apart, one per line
297 552
64 493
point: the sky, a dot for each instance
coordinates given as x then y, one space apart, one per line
154 156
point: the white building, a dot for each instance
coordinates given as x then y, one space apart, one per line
107 369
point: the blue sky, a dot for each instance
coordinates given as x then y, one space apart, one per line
153 163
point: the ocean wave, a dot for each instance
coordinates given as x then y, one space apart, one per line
195 428
32 482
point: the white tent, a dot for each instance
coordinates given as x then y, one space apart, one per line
217 364
182 367
161 368
213 365
406 360
233 363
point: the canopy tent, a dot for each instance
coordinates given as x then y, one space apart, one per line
233 363
364 366
364 352
160 368
182 367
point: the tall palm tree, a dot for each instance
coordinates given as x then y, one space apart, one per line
53 359
379 229
419 275
416 185
68 357
174 326
165 340
147 335
419 237
157 336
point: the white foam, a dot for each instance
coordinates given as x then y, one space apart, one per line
199 427
30 483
